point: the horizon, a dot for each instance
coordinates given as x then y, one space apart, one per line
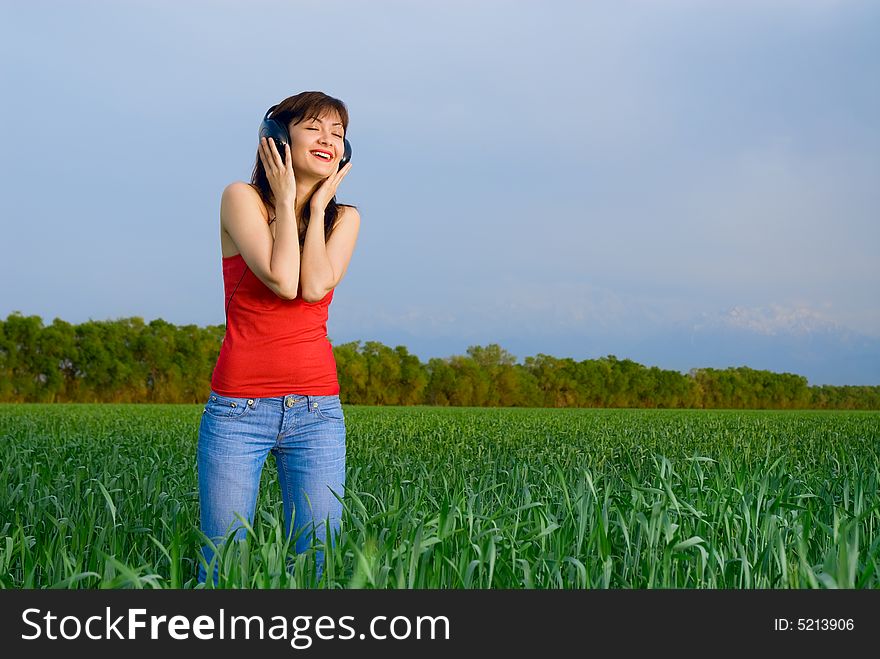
423 360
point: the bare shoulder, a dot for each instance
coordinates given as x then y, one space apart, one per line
240 195
240 205
243 192
348 213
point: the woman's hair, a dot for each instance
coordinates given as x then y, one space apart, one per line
302 106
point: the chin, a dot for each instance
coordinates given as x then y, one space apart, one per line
311 171
319 169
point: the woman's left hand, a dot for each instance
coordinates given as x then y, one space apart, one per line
327 191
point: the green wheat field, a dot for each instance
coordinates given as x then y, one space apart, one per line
106 496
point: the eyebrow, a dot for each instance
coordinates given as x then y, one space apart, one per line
338 123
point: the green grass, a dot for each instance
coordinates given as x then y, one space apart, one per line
107 496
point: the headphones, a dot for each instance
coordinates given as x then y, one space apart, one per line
278 132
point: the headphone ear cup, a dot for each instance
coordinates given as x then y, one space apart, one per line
276 130
346 153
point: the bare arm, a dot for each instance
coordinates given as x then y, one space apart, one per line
324 263
276 261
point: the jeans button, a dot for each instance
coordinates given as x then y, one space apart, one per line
232 404
250 401
289 402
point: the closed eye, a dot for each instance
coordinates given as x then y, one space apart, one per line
334 134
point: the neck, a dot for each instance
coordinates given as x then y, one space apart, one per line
304 190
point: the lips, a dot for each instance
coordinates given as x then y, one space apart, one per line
317 151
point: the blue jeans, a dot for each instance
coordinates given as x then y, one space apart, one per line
305 433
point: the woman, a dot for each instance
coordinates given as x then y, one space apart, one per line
286 245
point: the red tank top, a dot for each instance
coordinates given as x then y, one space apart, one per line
272 346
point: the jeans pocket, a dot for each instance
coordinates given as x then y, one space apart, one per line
329 408
229 407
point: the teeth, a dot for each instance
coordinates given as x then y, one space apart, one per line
321 155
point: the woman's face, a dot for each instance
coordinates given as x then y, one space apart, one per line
323 134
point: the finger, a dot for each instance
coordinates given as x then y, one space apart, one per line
267 151
264 154
275 155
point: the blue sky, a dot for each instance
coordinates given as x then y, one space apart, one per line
681 183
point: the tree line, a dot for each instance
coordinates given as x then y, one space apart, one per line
129 361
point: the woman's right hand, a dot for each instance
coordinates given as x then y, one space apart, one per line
280 174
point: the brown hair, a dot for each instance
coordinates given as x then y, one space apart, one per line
297 108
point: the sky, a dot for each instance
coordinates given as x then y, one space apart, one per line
682 183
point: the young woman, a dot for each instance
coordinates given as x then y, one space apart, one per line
286 245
